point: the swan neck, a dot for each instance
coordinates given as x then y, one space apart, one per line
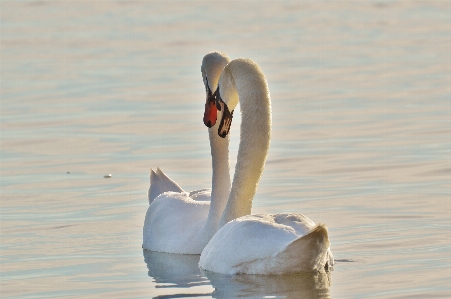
253 149
220 178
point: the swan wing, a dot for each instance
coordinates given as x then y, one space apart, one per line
174 223
267 244
244 245
160 183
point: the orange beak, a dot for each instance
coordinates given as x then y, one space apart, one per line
211 112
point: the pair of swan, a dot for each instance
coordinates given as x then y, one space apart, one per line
230 240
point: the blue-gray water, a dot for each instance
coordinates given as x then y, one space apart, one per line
361 141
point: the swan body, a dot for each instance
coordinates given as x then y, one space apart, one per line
258 244
268 244
182 222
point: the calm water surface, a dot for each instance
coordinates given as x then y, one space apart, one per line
361 141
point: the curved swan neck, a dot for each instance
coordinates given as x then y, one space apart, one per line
254 98
212 66
220 178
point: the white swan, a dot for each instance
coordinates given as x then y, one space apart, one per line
181 222
258 244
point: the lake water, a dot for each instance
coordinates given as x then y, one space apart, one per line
361 141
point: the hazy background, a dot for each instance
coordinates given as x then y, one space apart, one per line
361 141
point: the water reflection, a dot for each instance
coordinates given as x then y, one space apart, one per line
179 272
174 270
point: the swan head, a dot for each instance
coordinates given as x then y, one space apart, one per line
226 100
212 65
245 73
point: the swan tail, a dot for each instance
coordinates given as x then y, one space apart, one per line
160 183
308 253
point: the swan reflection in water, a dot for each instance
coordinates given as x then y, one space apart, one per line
178 272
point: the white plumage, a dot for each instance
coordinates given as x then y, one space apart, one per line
259 244
181 222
